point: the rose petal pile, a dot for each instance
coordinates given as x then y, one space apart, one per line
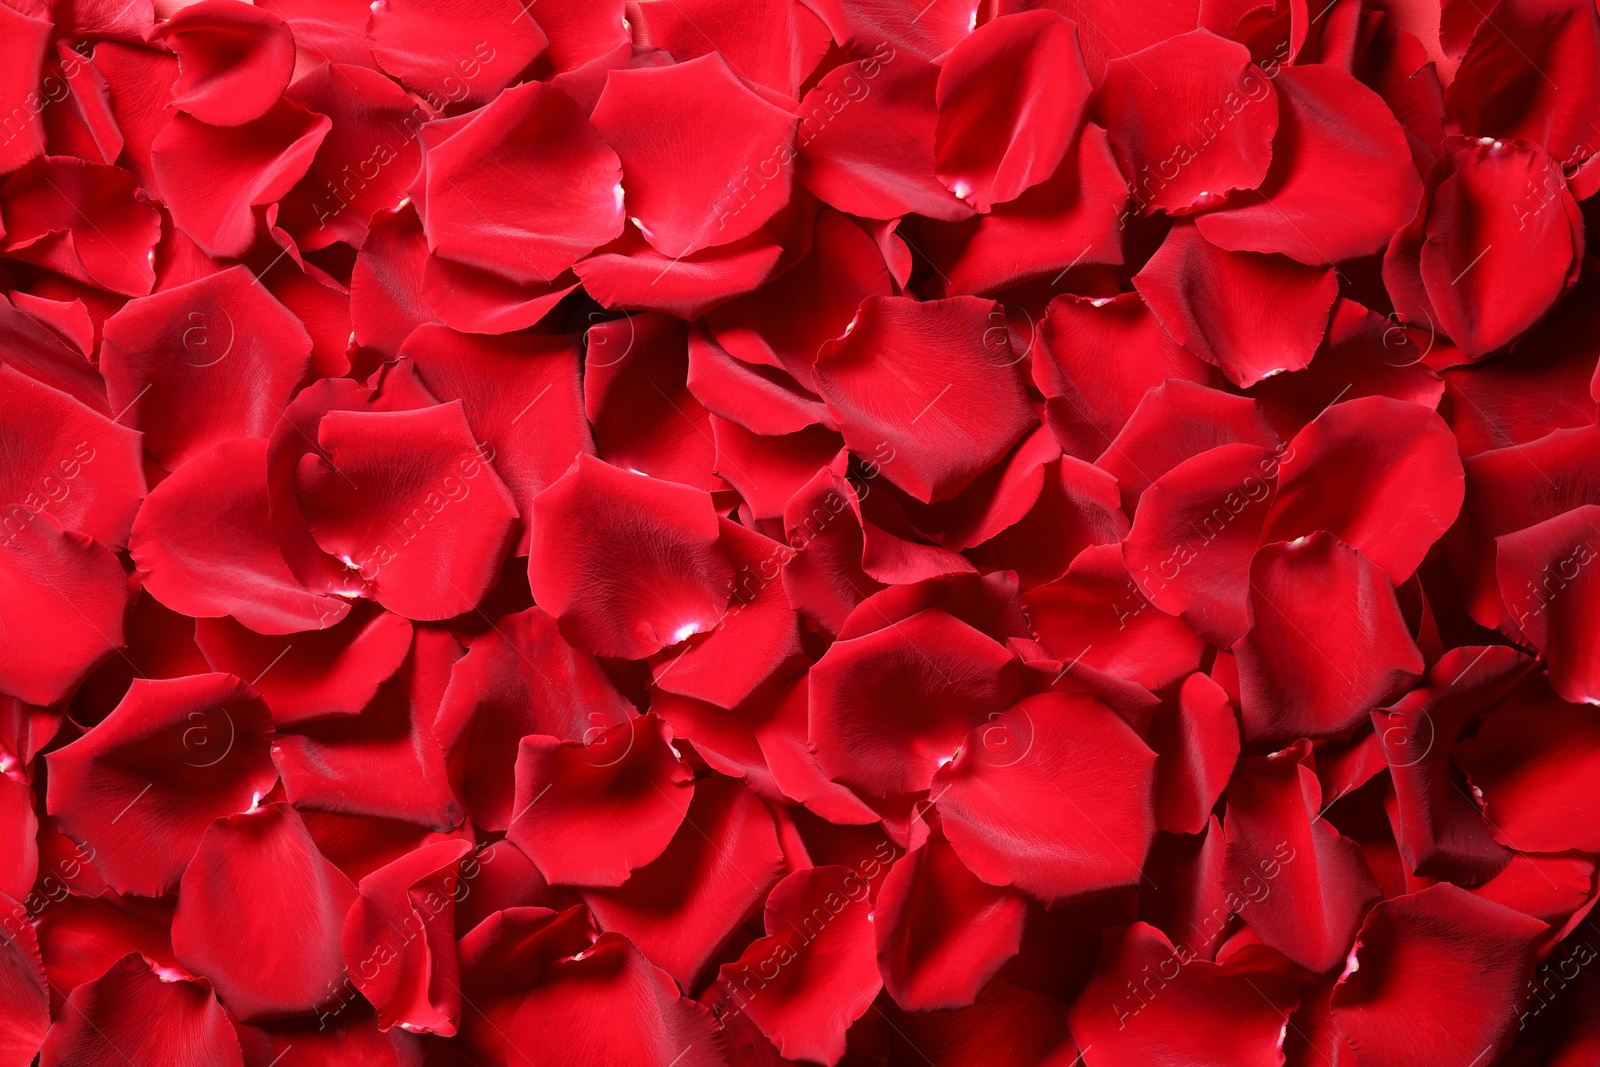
694 533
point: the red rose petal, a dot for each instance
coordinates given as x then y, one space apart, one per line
942 933
131 1011
932 383
1251 315
1389 1009
1010 103
234 61
399 939
1054 797
426 537
588 812
200 363
1312 600
204 546
142 787
259 914
630 564
519 679
1196 739
89 222
816 971
1194 105
533 134
213 177
684 199
449 52
1550 596
680 908
1334 136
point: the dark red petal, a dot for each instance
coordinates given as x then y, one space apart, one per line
234 61
24 1002
1191 119
588 812
132 1015
1404 472
385 762
366 162
204 546
531 135
942 933
449 52
742 147
197 364
1095 615
80 937
66 460
1054 796
1251 315
930 390
1007 1026
866 139
1098 359
310 675
628 564
1305 886
1156 1003
1439 829
628 1011
522 399
1196 739
1504 496
1365 355
1507 84
1197 530
406 500
793 765
1011 96
43 354
1504 241
1388 1005
521 678
89 222
1335 138
1533 765
399 939
1077 507
141 788
1552 596
1174 422
212 177
259 914
1327 641
885 713
816 971
636 397
681 908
